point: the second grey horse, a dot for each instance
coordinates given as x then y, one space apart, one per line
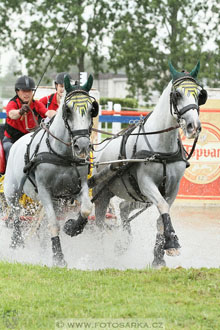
155 180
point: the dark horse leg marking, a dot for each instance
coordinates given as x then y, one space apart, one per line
75 227
171 239
165 240
58 257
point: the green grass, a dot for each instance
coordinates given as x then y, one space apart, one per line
185 299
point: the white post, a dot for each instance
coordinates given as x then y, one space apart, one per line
83 78
110 105
110 108
116 127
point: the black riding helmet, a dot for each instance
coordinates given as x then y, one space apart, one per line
60 77
25 83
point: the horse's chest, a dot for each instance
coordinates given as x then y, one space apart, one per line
66 183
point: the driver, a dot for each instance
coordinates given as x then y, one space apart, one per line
20 106
52 101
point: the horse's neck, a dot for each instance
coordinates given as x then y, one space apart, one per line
161 119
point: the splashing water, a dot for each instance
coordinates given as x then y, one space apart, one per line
198 231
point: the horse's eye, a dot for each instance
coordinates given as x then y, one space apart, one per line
67 111
178 95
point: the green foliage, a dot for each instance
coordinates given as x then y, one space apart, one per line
153 32
80 26
183 298
142 36
125 103
7 9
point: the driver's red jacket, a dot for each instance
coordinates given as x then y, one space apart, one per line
15 128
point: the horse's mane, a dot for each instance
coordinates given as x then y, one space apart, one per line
164 97
61 102
60 109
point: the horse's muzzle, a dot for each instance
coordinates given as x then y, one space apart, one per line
81 148
193 129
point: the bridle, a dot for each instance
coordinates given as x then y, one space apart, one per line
174 94
74 134
174 98
53 157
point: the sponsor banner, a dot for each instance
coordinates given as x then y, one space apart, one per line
201 180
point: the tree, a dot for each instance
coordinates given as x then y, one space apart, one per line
7 9
154 31
80 25
144 34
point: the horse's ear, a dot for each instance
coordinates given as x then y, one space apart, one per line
195 71
175 74
67 84
88 84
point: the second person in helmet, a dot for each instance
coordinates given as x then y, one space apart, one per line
52 101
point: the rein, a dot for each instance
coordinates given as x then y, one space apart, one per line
193 148
144 133
45 127
26 122
126 131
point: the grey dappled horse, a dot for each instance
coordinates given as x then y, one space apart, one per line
155 181
55 161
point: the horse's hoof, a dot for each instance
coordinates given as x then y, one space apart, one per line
75 227
171 242
58 261
158 264
172 252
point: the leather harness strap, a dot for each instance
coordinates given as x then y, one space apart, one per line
163 158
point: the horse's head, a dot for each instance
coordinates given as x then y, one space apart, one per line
78 110
185 98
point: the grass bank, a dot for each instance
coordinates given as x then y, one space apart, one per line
33 297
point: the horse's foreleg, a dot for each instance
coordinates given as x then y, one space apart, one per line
12 199
17 239
86 205
125 209
171 245
171 240
54 228
14 215
101 204
74 227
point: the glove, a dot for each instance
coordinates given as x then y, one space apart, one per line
24 109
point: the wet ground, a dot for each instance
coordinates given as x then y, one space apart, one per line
198 229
